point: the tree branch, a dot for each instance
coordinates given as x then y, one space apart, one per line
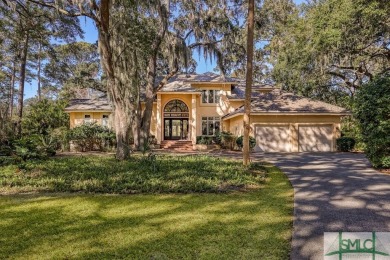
165 80
193 45
64 11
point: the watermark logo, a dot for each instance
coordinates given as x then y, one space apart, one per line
357 245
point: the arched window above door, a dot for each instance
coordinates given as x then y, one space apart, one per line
176 106
176 109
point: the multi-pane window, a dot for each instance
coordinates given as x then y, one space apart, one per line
211 125
105 120
211 96
87 119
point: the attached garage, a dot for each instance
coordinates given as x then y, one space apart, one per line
272 138
315 138
284 122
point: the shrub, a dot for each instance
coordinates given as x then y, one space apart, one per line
44 116
5 148
240 142
350 127
61 136
345 144
7 160
205 139
34 147
91 137
152 140
385 162
372 110
226 140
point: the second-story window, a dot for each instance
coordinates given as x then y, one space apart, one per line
87 119
105 120
211 96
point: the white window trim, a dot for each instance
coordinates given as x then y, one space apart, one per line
87 120
215 91
105 120
207 123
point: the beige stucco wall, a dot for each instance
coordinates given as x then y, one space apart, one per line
197 108
235 124
77 118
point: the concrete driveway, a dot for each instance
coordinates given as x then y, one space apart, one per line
333 192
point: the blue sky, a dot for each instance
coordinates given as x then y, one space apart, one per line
91 36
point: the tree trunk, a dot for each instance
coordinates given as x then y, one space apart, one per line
11 90
22 76
115 85
122 126
151 89
249 77
136 130
39 71
149 98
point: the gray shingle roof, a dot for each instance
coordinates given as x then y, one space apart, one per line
206 77
182 82
277 101
238 91
99 104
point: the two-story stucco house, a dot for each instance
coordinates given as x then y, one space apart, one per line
193 105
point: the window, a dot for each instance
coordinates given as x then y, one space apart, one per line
176 108
211 96
87 119
105 120
211 125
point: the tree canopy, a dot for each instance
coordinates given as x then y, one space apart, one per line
330 48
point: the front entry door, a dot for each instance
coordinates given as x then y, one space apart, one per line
175 129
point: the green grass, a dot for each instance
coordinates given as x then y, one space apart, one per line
255 224
190 207
140 174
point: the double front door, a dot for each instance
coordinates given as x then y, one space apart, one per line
175 129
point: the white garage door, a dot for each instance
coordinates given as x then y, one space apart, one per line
315 138
272 139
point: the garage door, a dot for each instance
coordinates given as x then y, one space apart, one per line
272 139
315 138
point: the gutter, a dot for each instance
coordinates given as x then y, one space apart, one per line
287 113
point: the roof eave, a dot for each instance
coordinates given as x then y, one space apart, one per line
236 99
87 110
289 113
179 92
210 82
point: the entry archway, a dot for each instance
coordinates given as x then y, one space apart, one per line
176 115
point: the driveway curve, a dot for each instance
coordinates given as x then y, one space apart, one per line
332 192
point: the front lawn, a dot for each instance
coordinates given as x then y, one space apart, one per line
255 223
140 174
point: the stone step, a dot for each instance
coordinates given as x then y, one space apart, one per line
182 145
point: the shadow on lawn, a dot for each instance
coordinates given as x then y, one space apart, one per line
166 174
246 225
